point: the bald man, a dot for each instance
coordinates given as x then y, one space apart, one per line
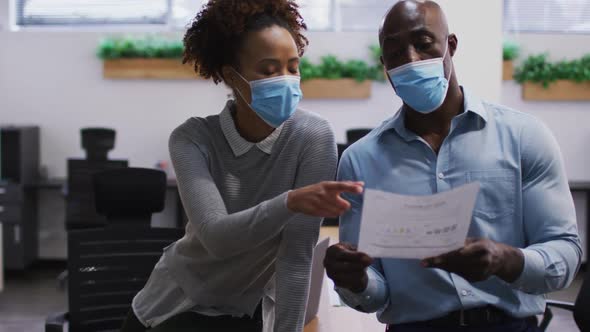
523 241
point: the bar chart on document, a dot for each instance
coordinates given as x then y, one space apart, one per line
416 227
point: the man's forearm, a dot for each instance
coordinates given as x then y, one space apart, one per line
511 265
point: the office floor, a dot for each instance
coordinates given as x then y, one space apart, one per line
29 297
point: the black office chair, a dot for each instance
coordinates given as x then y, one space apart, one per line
580 309
130 195
80 202
353 135
341 149
106 268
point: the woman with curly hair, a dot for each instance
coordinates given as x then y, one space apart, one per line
255 181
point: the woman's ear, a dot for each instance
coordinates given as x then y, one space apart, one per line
229 76
237 83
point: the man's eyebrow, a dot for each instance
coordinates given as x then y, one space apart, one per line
416 31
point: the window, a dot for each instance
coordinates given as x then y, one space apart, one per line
362 15
547 16
91 12
183 11
344 15
320 15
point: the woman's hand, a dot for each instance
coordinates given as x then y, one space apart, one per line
323 199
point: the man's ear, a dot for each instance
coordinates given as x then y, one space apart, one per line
453 44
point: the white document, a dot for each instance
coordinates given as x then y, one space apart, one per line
416 227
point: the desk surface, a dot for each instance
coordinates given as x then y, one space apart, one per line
1 261
58 183
340 319
580 185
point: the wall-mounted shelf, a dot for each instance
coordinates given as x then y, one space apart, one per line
173 69
507 70
336 89
561 90
159 69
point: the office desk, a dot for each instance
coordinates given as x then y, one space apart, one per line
52 214
581 193
171 186
1 260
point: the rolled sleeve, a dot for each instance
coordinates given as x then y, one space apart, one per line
534 266
553 253
372 299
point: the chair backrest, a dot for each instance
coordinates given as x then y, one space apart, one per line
341 149
97 142
80 202
353 135
106 268
130 195
582 305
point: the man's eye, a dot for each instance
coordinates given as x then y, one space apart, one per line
423 46
396 54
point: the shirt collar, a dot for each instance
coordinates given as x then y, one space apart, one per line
471 104
237 143
474 105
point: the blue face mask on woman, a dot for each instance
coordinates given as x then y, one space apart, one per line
422 85
275 99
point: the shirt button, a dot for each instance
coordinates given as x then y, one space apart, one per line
464 293
441 176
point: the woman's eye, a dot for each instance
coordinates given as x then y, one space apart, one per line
268 71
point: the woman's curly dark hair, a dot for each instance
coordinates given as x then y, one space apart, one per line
215 35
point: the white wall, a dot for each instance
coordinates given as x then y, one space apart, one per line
53 79
569 121
559 46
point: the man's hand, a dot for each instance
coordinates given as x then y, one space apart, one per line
480 259
347 267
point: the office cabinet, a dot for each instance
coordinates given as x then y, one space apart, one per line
19 168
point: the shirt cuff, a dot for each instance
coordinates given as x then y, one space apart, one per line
276 208
371 299
287 199
532 273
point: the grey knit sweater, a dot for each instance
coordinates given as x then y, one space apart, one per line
241 237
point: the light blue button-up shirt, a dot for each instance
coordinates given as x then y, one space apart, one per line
524 202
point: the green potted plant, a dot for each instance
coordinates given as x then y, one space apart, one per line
143 58
333 78
562 80
510 52
159 58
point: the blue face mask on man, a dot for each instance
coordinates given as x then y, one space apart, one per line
422 85
275 99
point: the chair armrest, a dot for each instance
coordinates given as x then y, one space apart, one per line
548 314
561 304
62 280
56 322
